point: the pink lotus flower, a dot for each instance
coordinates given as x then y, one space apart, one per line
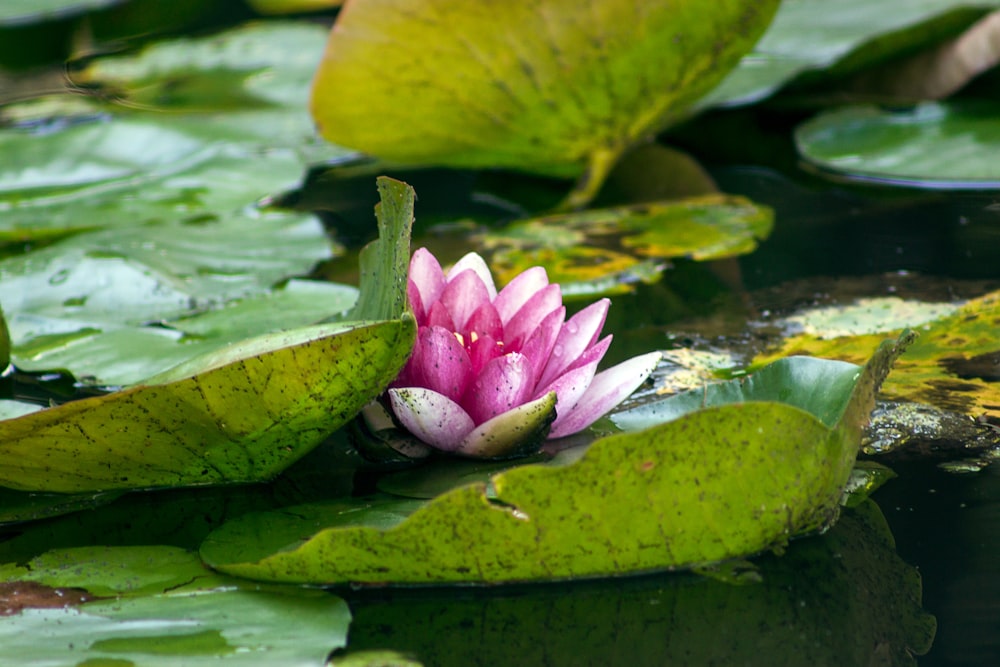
492 372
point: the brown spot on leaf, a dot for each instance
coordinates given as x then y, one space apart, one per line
17 596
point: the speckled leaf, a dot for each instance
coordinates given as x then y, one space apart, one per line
933 145
546 86
249 412
604 251
952 365
845 598
718 483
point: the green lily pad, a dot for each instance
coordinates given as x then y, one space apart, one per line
254 65
86 303
175 611
807 36
128 171
843 598
719 482
604 251
933 145
17 506
112 571
536 86
952 365
240 413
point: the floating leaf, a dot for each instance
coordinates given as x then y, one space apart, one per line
197 625
933 145
127 171
17 506
729 480
844 598
607 250
237 414
292 6
253 65
538 86
952 365
810 35
112 571
241 415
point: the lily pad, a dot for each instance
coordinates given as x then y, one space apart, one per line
166 618
127 171
237 414
728 480
933 145
844 598
241 415
952 365
536 86
254 65
604 251
811 35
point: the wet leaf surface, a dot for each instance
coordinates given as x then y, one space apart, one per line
933 145
161 622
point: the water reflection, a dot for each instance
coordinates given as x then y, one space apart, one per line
844 598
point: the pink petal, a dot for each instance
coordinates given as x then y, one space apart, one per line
463 294
608 389
440 362
426 279
517 292
538 347
440 316
529 317
504 383
474 262
484 322
483 350
571 385
507 434
432 417
577 334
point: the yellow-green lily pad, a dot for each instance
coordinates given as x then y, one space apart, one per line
952 365
537 85
608 250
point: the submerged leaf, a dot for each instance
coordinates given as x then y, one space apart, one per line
717 483
541 86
